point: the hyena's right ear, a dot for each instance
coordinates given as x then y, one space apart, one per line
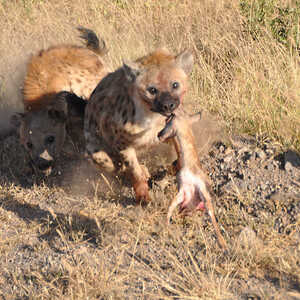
17 119
132 70
185 61
58 109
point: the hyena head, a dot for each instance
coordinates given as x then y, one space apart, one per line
160 79
42 132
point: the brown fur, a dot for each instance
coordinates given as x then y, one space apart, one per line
127 110
193 183
61 68
72 69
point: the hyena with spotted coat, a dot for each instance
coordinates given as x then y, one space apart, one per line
128 108
57 83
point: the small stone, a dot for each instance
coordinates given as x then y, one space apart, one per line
288 166
260 154
292 157
227 159
247 238
244 149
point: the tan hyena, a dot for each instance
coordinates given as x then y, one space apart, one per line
76 71
128 108
193 183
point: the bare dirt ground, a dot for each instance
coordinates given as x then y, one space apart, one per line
78 233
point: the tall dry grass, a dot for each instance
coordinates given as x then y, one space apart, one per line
253 85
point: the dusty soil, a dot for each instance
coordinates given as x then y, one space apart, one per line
77 220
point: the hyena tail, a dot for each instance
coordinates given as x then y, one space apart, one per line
92 42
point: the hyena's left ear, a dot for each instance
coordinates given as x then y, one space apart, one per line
131 69
58 110
185 61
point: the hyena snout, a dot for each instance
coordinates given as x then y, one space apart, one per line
44 161
165 103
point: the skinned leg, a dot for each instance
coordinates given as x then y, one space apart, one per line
205 196
176 201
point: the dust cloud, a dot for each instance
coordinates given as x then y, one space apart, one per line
207 131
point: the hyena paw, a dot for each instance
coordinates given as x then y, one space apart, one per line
141 190
146 173
102 159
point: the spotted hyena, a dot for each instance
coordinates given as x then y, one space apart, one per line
56 85
128 108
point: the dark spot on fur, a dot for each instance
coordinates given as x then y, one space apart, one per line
133 112
78 80
125 120
124 114
119 98
120 106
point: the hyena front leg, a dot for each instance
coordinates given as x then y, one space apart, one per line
99 154
103 161
139 175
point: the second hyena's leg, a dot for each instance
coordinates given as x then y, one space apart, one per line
98 152
103 161
139 175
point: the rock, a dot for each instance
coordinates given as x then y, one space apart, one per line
291 159
248 239
228 158
260 154
288 166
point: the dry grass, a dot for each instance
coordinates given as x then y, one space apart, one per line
60 245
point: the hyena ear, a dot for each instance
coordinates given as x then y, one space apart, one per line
17 119
76 105
132 70
58 109
185 61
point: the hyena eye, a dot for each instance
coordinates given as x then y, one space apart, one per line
29 145
49 139
152 90
175 85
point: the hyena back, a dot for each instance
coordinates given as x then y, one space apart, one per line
128 108
56 85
